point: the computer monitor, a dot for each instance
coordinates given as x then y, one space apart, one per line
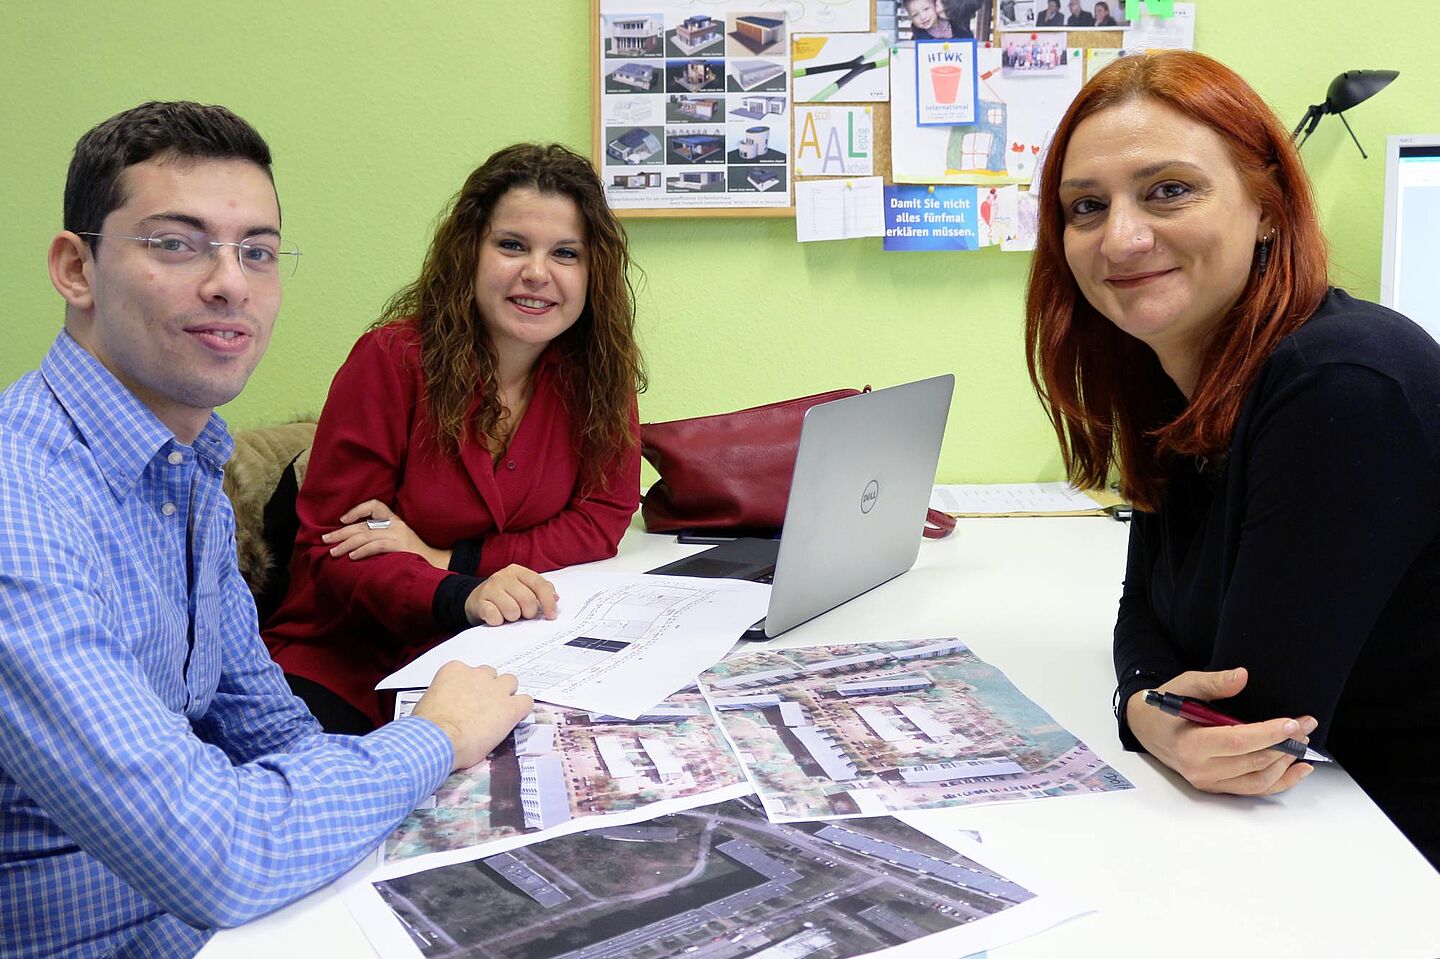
1410 263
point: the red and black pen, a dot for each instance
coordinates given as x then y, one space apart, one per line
1202 713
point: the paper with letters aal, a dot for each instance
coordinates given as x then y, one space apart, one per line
1018 499
723 878
834 141
839 209
622 641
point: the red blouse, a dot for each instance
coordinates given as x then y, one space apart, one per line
346 624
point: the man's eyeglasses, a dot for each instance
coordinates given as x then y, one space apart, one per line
186 252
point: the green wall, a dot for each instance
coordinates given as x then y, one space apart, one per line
376 112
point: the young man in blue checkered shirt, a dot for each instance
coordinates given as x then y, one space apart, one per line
157 778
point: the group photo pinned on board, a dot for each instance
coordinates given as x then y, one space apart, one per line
1062 14
1033 53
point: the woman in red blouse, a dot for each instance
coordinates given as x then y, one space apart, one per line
482 432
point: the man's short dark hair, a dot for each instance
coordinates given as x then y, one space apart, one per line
181 129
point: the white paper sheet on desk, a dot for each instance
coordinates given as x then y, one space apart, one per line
622 642
1003 499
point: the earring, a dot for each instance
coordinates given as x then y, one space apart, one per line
1265 252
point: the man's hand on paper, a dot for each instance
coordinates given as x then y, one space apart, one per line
1220 759
510 594
474 707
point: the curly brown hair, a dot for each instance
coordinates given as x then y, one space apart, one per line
605 369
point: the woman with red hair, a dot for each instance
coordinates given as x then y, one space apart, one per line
1279 439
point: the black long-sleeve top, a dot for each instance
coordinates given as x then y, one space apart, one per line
1311 556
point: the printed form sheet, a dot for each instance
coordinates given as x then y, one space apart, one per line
622 642
839 209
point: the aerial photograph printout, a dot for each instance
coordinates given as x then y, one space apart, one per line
717 882
827 732
561 768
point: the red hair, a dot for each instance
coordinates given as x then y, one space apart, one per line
1106 395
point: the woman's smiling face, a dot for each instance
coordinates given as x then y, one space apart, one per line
1160 229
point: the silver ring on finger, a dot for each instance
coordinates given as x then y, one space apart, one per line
378 523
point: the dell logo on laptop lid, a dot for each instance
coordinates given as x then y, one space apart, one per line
868 498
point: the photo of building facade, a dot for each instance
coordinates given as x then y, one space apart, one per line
697 33
694 75
636 181
640 76
758 34
759 107
698 108
697 148
755 143
695 180
632 36
762 179
633 145
749 74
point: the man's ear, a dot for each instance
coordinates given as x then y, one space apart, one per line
71 266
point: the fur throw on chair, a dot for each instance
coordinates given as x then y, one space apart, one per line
263 498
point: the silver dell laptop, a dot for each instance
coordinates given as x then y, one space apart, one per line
863 475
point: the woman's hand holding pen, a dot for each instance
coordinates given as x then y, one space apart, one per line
372 528
1220 759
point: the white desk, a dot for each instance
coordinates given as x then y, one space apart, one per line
1316 872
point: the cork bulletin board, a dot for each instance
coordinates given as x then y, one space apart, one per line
694 112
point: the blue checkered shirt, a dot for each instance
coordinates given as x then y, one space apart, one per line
157 778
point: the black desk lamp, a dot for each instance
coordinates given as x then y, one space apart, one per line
1349 89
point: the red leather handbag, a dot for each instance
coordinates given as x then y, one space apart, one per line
732 469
